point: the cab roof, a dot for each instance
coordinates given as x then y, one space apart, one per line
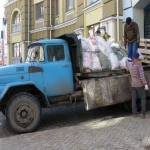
47 41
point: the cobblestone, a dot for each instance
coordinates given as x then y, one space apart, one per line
72 128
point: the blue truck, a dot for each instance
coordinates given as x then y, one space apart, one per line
53 75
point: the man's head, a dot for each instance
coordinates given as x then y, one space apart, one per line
128 21
136 56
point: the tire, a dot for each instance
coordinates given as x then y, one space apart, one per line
23 113
3 111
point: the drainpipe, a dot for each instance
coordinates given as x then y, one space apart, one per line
28 22
50 13
117 21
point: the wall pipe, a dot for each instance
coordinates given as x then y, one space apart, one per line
50 18
118 33
28 22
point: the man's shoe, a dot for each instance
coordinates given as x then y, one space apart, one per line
134 115
144 116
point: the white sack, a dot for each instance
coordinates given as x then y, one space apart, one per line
113 61
115 46
110 41
141 56
93 46
96 63
87 60
122 63
103 46
84 44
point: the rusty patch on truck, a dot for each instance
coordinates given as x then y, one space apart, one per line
34 69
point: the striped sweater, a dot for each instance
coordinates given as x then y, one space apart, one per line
137 73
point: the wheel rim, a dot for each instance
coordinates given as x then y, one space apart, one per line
24 115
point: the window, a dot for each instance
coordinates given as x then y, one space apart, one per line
57 7
35 53
69 4
16 50
91 1
55 53
16 26
39 11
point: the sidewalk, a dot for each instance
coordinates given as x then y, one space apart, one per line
76 129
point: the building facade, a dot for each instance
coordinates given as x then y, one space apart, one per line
3 45
32 20
139 11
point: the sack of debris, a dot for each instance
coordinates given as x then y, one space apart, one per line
113 61
103 46
115 46
96 65
87 60
122 63
118 51
141 56
93 46
104 61
84 44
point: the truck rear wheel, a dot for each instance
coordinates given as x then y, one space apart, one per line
23 113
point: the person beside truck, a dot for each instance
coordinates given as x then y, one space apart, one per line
138 85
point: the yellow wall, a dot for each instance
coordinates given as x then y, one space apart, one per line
16 38
93 17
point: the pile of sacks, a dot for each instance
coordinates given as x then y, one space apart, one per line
100 55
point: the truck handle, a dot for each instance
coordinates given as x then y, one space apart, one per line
65 66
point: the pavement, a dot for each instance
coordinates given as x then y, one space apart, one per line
73 128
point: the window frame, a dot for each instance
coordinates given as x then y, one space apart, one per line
64 55
40 10
68 5
16 22
16 47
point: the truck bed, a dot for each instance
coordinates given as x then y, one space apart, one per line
108 90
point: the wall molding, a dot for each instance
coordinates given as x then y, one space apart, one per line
40 29
111 18
10 3
62 25
92 6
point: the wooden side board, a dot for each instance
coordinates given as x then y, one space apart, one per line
145 49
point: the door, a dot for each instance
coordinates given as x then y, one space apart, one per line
57 74
147 22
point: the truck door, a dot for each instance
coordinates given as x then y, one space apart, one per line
57 74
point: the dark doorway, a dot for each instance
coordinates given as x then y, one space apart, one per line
147 22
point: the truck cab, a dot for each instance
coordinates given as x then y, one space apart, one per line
26 88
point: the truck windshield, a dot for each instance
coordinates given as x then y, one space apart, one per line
35 53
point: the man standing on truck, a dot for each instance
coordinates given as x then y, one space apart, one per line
131 37
138 84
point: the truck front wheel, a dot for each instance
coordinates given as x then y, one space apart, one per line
23 113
